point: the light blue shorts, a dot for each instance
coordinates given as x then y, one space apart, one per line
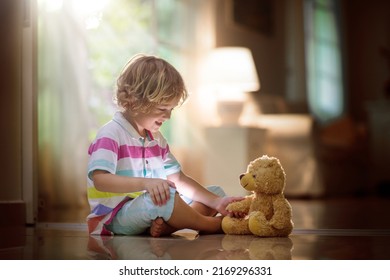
136 215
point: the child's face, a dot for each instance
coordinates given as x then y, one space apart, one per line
154 119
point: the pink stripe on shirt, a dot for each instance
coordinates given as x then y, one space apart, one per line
125 151
103 143
141 152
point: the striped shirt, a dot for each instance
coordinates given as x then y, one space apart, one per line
119 149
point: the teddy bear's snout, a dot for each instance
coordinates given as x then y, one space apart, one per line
247 181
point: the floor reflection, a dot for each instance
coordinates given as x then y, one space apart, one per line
256 248
220 247
335 229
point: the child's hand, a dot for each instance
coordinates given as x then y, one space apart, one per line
224 202
159 190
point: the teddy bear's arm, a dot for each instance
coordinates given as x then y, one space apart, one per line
240 206
282 213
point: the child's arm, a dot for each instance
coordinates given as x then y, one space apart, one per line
192 189
157 188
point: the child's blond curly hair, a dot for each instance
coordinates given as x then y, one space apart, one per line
147 81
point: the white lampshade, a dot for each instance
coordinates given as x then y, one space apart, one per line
231 71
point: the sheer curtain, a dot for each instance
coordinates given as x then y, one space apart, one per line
63 117
83 45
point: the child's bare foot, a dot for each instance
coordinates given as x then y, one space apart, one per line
160 228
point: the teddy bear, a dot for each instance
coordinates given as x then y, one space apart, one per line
267 211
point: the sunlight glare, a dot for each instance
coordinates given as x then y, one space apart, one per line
52 5
90 11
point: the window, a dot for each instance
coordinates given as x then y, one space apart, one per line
324 63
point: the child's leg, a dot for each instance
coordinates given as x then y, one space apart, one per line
139 214
184 216
203 209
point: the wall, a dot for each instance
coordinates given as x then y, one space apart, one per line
10 112
17 114
367 29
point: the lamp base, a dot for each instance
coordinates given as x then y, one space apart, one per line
229 112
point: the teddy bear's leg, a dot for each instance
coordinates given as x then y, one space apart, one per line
259 225
235 226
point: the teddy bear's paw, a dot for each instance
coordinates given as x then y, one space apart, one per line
230 207
235 226
241 206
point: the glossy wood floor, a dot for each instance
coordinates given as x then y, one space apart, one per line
332 229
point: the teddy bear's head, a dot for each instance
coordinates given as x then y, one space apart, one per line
264 175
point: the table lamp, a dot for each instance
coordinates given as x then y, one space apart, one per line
231 72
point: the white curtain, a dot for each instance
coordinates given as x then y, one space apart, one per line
62 113
63 117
